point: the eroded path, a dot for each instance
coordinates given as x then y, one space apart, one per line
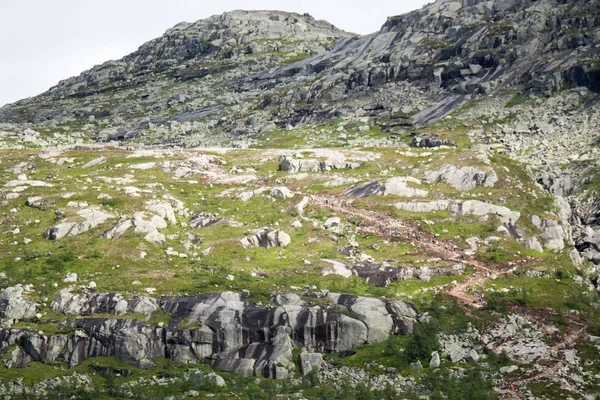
382 225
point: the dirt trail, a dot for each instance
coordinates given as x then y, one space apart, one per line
381 224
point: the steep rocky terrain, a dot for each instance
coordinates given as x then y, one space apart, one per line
260 204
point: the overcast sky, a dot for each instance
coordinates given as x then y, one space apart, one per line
45 41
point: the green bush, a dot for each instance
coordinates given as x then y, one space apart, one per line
423 341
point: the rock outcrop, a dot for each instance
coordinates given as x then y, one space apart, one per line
267 238
222 329
462 178
91 219
293 165
467 207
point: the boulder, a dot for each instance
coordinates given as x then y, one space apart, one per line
163 209
292 165
301 205
282 192
332 223
38 202
429 140
118 229
92 218
474 207
93 163
416 366
204 220
462 178
14 306
310 362
267 239
435 360
533 244
399 186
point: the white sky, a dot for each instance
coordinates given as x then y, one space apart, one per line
45 41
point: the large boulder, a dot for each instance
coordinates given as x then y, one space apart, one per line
163 209
533 244
282 192
429 140
473 207
14 306
462 178
267 238
399 186
293 165
92 218
204 220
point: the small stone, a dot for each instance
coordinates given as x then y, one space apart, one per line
416 366
70 278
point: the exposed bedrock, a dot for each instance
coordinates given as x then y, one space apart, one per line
222 329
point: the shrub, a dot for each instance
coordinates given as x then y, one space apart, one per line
423 341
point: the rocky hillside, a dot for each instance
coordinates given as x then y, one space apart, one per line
259 204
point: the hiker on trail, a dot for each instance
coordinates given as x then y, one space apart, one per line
512 386
326 202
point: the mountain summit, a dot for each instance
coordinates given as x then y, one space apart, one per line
252 70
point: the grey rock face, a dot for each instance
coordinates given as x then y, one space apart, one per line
462 178
310 362
399 186
429 140
308 165
229 333
282 192
474 207
267 239
14 306
588 244
38 202
438 56
91 219
383 275
204 220
95 162
533 244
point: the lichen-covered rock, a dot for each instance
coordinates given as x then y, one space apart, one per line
533 244
462 178
429 140
282 192
92 218
474 207
267 238
226 331
293 165
14 306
